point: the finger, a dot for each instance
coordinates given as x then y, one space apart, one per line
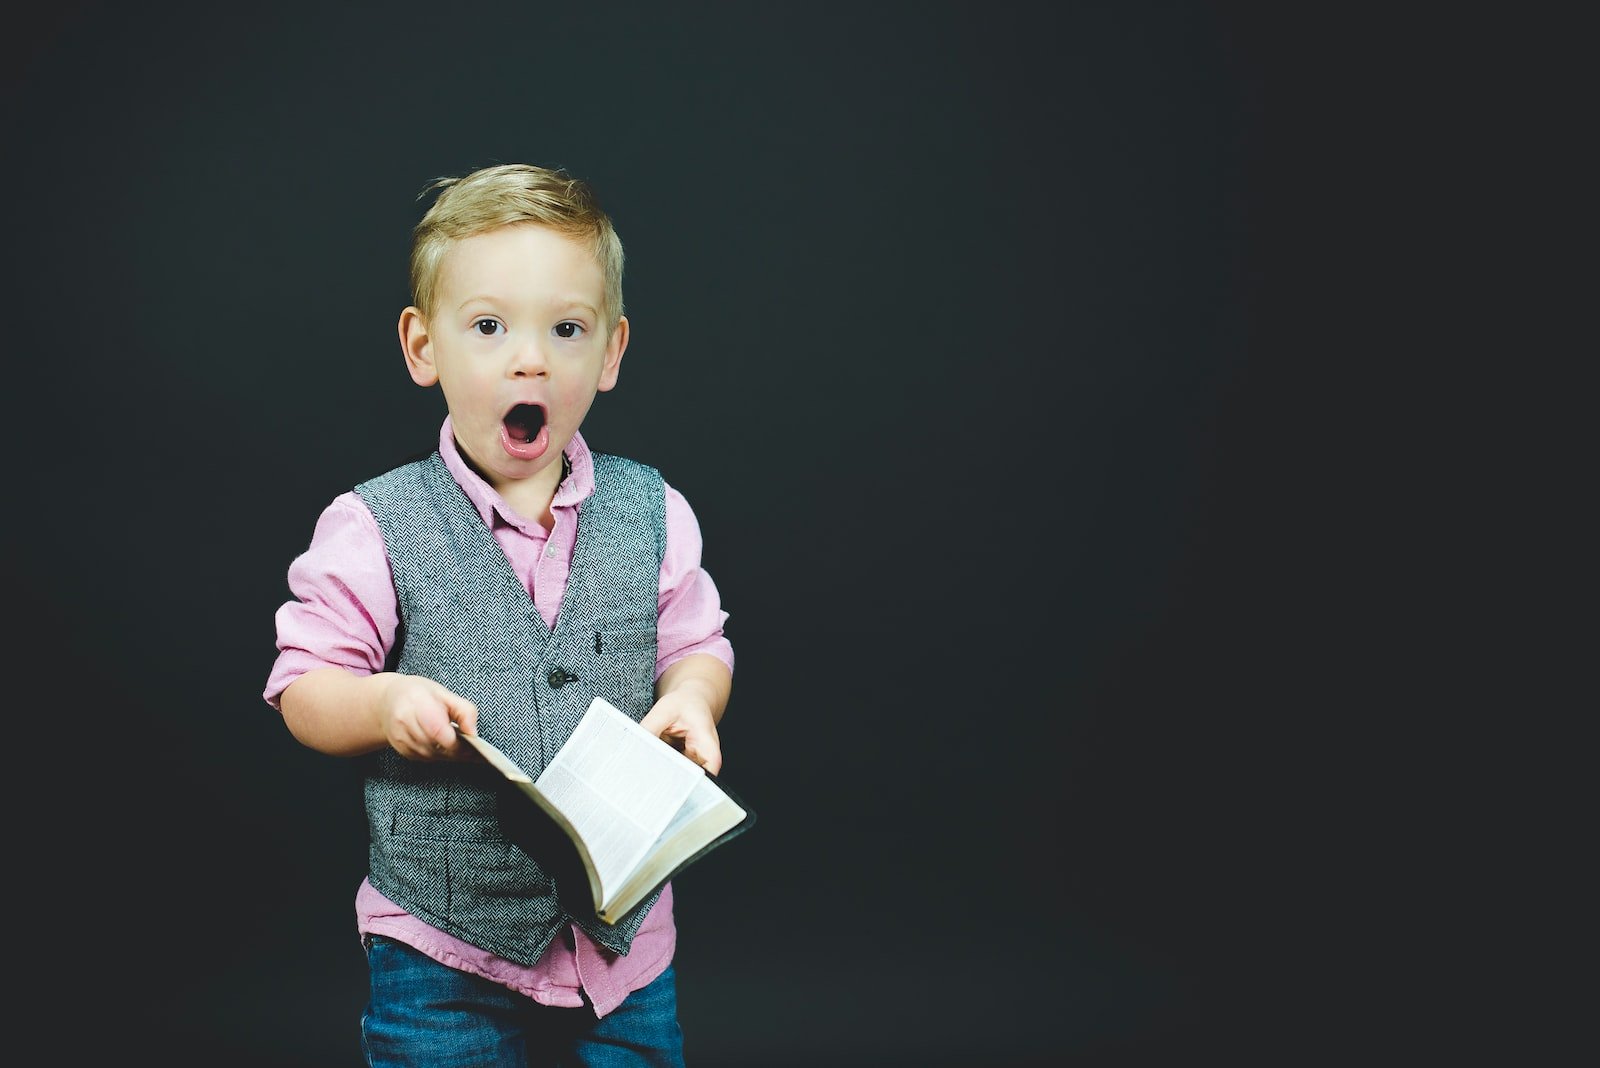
464 749
427 738
465 715
449 745
705 751
415 747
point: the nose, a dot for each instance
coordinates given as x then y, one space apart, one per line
528 360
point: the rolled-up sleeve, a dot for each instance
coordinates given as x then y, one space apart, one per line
689 615
343 611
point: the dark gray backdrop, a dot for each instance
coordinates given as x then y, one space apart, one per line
958 325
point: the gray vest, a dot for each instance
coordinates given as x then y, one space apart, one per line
438 845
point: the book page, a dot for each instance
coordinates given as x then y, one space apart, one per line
701 801
619 787
705 814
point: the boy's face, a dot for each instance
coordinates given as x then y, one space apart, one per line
518 346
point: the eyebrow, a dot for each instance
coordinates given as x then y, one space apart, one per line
572 302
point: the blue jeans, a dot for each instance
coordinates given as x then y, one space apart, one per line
423 1013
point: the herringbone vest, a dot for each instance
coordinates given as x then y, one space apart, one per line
438 842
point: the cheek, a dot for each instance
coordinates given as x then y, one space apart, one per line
577 392
469 379
575 401
469 394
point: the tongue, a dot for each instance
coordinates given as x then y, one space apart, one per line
524 422
524 435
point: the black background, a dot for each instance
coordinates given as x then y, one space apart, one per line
989 344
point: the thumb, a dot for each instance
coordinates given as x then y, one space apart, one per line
705 749
463 713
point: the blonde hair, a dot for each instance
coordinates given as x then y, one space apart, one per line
506 195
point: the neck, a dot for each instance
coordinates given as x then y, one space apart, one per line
531 497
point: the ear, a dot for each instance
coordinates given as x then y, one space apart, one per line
616 345
414 343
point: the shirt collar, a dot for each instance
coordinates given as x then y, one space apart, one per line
574 489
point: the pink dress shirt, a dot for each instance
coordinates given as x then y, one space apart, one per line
344 614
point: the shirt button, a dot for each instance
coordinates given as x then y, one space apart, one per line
549 550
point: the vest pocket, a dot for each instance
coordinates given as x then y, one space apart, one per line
624 660
463 865
463 826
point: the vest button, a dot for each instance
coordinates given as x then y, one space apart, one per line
558 678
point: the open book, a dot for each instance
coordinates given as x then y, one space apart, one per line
637 810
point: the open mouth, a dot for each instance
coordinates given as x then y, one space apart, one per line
524 422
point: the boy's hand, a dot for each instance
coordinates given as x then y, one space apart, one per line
683 719
419 719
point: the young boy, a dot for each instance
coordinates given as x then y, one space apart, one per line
496 587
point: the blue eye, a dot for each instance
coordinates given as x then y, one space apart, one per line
487 327
568 329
